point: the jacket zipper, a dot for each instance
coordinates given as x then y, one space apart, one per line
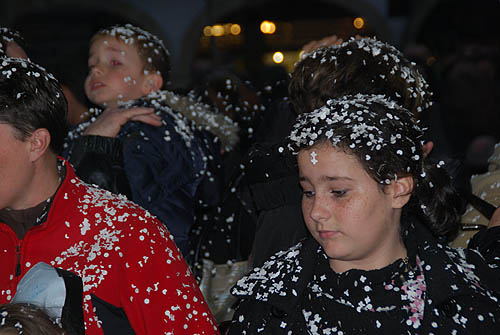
18 265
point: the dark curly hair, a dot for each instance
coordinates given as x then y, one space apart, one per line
364 65
387 141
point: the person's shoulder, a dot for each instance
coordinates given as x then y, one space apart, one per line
465 267
117 212
97 200
282 267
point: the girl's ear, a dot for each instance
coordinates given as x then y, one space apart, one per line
401 191
153 82
39 143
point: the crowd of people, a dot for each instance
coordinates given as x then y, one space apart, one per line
325 211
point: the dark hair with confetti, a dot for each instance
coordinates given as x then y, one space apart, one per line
151 49
30 99
27 319
363 65
387 140
8 35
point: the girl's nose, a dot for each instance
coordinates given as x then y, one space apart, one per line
319 209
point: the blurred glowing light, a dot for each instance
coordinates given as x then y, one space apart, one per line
278 57
358 23
235 29
217 30
267 27
207 31
430 60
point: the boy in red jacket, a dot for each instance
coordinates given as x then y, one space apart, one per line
135 280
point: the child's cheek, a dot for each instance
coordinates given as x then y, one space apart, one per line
129 81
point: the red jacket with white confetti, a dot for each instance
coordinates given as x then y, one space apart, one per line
125 257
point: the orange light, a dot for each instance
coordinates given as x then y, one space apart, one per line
217 30
267 27
358 23
207 31
235 29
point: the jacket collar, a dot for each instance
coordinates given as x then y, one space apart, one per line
284 278
201 115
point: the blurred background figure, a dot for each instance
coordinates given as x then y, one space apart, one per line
26 319
11 43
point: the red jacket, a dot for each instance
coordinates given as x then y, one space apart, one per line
124 256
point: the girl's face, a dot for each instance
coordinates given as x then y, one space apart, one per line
347 212
116 73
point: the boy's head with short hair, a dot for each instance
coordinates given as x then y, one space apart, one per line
31 99
125 63
363 65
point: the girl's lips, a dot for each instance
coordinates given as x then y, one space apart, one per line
325 234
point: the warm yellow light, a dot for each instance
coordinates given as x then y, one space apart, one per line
267 27
217 30
358 23
207 31
235 29
278 57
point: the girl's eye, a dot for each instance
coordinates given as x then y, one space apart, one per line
338 193
115 63
308 194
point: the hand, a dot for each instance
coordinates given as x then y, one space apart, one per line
325 41
495 219
109 123
427 148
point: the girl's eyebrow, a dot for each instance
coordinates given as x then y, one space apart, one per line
327 178
333 178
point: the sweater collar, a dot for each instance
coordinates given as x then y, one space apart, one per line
22 220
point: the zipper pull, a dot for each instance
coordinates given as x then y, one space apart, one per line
18 265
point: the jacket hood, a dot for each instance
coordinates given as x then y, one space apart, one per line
200 114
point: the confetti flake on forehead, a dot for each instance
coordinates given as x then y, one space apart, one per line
353 123
128 32
314 160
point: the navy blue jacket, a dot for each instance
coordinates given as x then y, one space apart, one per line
169 170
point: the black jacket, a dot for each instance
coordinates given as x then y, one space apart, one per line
442 291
